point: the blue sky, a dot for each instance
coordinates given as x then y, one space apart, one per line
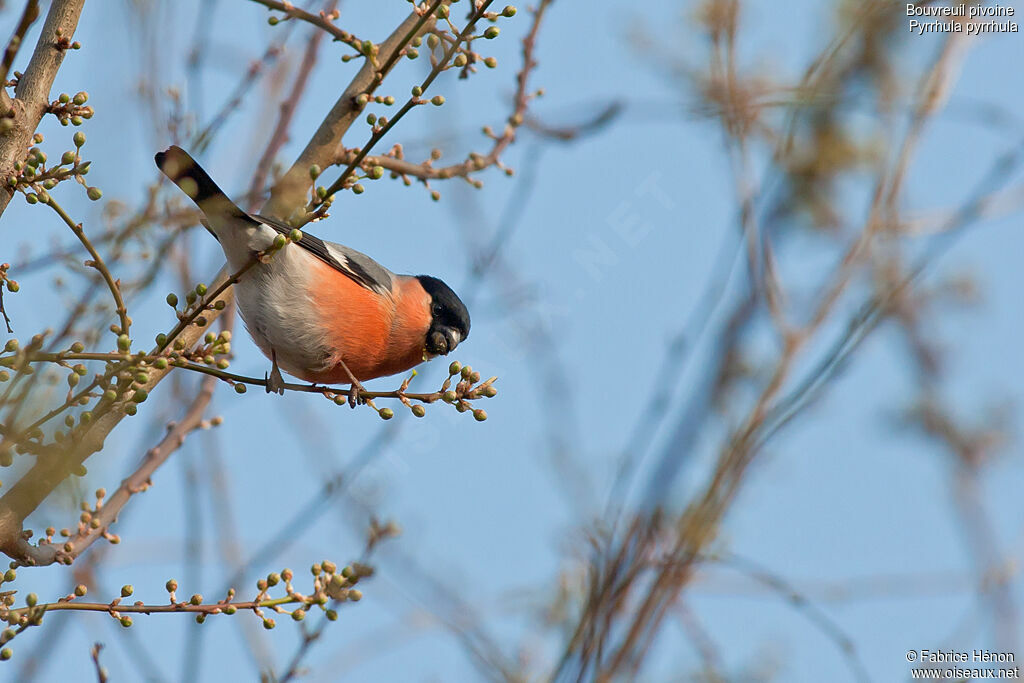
839 497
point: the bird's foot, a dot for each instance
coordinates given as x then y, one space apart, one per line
275 382
353 391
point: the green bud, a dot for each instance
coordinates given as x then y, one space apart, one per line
273 21
509 11
418 410
160 364
491 32
314 171
437 100
490 62
81 590
201 289
455 368
31 599
126 621
79 139
76 120
298 615
268 624
196 599
64 98
386 413
355 595
124 342
377 172
479 415
357 188
417 91
4 376
6 653
10 575
460 60
371 118
131 409
127 590
171 585
295 235
331 615
240 389
31 198
13 286
94 193
279 241
80 98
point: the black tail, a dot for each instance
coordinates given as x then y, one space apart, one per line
187 174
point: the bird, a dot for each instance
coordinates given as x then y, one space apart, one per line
318 310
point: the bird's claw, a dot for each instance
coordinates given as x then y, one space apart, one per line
275 382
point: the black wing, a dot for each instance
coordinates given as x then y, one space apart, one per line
356 265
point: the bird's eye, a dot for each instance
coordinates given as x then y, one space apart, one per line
438 309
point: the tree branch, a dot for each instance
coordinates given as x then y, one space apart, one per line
33 90
290 192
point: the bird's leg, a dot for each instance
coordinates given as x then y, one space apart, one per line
275 383
353 391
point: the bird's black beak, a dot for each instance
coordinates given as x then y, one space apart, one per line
442 341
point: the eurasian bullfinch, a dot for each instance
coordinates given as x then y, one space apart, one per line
321 311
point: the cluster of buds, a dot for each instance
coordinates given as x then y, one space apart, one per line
468 388
196 304
330 588
71 108
33 177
